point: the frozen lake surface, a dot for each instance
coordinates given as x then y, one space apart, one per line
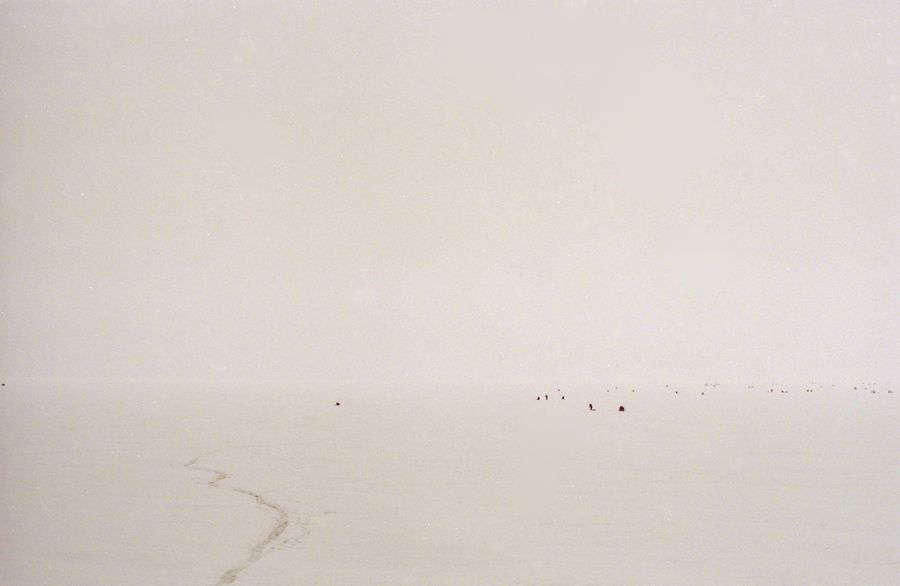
113 484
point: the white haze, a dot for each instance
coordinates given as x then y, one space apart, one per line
434 215
417 193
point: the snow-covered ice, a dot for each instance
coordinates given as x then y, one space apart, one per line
136 484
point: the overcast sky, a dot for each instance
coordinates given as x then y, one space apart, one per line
426 193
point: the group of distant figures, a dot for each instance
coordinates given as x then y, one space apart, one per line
563 398
622 408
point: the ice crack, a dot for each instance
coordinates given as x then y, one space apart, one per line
256 552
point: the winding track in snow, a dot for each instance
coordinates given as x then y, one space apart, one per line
257 551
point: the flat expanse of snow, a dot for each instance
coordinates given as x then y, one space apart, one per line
258 485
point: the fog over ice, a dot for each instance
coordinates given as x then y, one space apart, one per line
476 194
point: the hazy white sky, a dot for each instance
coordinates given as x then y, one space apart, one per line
417 192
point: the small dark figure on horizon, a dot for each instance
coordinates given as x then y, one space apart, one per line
621 408
545 397
539 398
591 405
564 398
337 404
